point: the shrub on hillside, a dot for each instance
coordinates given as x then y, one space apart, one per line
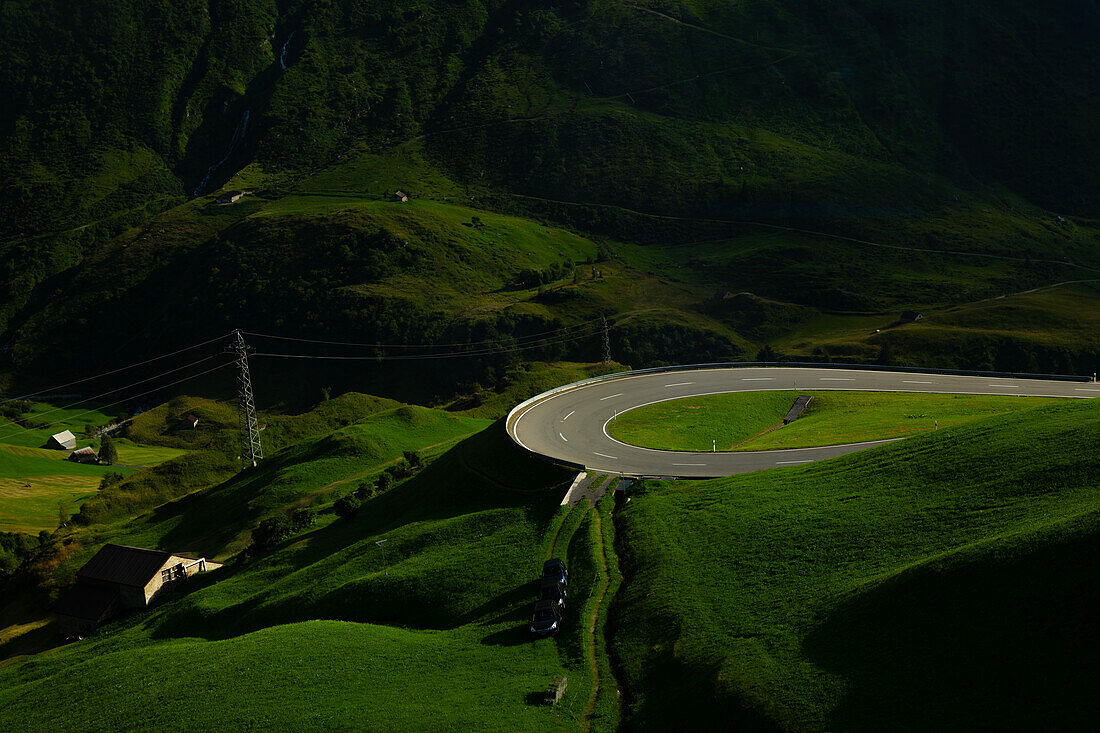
384 482
303 518
413 459
270 531
111 478
347 506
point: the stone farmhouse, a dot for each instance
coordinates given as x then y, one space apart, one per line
120 577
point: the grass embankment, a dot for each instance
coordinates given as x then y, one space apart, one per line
945 582
754 420
427 631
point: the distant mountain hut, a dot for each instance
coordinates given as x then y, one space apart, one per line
64 440
230 197
911 316
399 197
187 422
85 455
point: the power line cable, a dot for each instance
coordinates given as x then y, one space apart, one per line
118 402
132 384
416 346
113 371
446 355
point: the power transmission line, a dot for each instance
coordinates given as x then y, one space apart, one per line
445 355
251 448
113 371
132 384
118 402
606 341
586 324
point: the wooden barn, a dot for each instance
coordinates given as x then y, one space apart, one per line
119 577
84 455
64 440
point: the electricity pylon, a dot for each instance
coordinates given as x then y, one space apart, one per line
251 449
606 341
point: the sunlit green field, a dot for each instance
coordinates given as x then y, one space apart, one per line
754 420
38 485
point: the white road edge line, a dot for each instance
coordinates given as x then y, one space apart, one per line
679 384
604 455
786 463
563 437
610 396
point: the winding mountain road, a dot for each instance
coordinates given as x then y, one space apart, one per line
569 425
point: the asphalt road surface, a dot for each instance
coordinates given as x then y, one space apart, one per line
570 426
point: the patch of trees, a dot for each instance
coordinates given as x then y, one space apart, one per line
532 277
644 345
15 547
348 506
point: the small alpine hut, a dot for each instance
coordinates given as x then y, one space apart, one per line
911 316
84 455
230 197
64 440
399 197
187 422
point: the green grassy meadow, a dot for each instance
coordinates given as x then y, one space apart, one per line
427 632
33 483
941 583
754 420
37 484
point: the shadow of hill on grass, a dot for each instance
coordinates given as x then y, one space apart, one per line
1002 636
217 521
460 537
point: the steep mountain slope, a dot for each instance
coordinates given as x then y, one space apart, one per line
630 123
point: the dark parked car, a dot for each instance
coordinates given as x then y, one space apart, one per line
546 619
554 571
552 590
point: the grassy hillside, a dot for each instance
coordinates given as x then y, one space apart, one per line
683 154
454 584
942 582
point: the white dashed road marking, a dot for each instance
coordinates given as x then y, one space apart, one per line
568 416
604 455
787 463
679 384
910 381
610 396
835 379
758 379
1004 386
563 437
689 464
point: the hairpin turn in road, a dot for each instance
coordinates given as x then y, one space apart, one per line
569 425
